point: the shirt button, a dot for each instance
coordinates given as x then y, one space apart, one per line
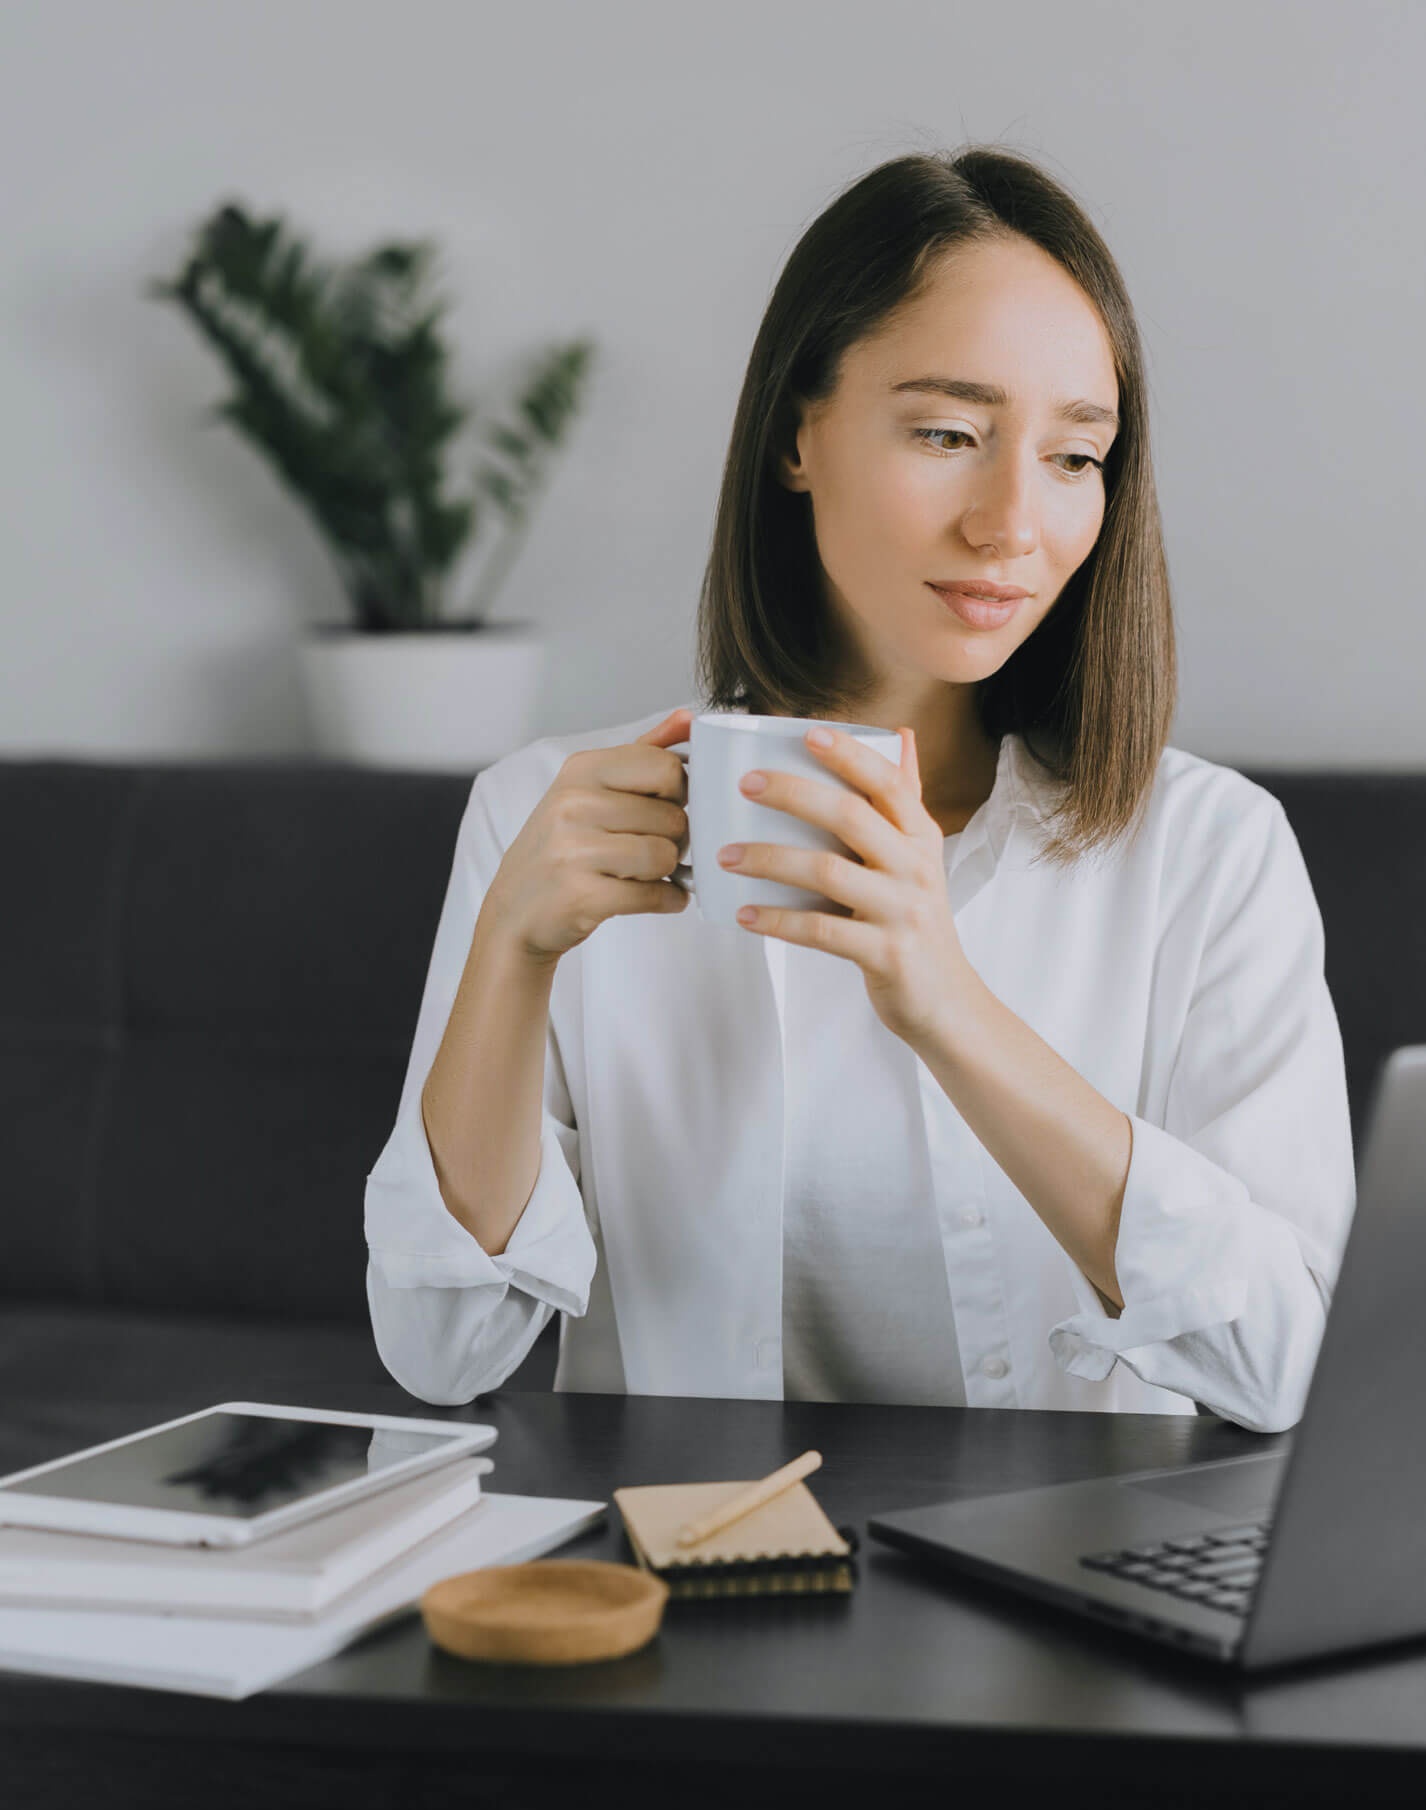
994 1366
972 1216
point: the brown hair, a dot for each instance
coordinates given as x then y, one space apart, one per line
1092 691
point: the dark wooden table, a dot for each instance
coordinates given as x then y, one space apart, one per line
921 1681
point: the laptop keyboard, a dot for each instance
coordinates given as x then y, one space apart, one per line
1218 1569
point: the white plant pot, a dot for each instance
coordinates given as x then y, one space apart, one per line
451 698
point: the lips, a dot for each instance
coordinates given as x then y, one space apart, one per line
974 587
977 611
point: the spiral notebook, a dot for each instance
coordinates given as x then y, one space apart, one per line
787 1547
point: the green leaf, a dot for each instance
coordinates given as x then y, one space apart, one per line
497 485
518 447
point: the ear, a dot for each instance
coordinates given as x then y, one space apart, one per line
791 472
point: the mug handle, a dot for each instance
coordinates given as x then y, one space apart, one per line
682 875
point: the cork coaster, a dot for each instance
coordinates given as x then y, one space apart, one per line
547 1612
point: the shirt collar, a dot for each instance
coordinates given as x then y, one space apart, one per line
1023 797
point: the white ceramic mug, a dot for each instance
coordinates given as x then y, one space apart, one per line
724 745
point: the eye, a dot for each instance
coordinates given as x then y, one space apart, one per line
1086 461
927 434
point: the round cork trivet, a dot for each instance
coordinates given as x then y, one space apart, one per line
548 1612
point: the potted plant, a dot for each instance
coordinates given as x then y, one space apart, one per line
340 383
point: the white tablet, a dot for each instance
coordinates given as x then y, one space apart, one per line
231 1474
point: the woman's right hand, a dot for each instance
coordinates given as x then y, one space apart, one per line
601 843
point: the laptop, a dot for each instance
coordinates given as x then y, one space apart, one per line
1316 1548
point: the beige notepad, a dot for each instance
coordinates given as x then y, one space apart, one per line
787 1546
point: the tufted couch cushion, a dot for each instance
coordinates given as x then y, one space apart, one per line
208 985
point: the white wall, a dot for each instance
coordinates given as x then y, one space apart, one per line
639 172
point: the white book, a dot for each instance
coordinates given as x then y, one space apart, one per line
293 1574
221 1656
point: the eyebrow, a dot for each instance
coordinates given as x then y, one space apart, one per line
990 395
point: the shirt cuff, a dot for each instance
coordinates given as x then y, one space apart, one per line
415 1242
1185 1250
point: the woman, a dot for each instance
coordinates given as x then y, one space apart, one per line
1050 1109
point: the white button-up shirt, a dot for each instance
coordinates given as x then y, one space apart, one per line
749 1187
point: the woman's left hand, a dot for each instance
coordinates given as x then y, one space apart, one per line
897 925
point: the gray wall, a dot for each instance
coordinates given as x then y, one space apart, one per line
639 172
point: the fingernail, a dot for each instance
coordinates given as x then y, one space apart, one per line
820 738
732 854
754 782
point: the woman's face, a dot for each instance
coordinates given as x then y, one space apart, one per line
911 485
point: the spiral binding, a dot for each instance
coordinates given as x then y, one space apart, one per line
822 1575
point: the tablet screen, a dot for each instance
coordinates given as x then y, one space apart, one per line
228 1464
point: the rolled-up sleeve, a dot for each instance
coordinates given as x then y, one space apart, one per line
450 1321
1237 1207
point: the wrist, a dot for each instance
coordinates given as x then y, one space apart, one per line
505 949
953 1028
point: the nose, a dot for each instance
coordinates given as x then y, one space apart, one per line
1004 511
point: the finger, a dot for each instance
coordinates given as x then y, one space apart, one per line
850 938
891 788
851 817
635 857
910 759
636 813
864 889
645 764
674 728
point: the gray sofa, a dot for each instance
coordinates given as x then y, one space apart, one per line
209 977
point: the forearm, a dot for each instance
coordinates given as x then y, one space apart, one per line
1065 1147
483 1099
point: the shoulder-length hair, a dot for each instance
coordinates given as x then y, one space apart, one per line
1092 691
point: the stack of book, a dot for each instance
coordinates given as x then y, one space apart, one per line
227 1622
